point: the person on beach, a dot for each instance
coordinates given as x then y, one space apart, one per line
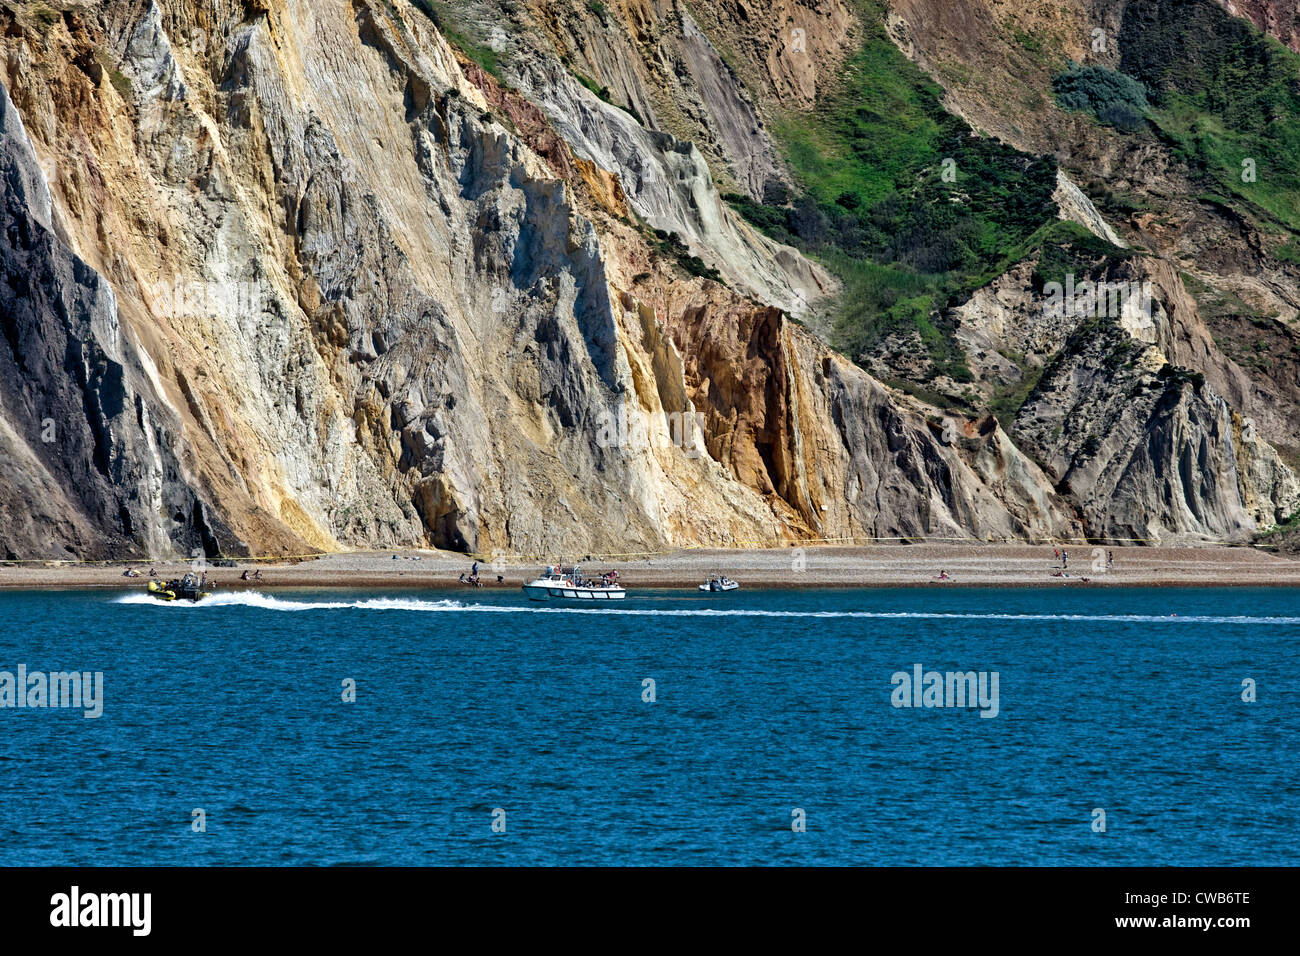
1065 559
1110 560
244 576
943 576
462 577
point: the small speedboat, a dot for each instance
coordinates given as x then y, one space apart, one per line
188 588
719 582
559 584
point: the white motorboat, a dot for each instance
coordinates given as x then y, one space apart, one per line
559 584
719 582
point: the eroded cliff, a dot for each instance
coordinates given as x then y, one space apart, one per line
287 276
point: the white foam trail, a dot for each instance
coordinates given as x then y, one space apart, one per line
268 603
905 615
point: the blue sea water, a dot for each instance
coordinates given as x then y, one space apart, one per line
765 701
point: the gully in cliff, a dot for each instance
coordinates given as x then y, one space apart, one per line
558 584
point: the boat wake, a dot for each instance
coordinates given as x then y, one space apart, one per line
266 602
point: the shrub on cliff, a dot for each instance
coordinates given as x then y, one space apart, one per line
1115 99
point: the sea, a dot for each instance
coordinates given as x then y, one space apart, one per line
1101 726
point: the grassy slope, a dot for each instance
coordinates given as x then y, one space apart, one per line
876 208
1223 93
444 17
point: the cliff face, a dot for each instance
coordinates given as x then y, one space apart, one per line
87 456
1279 18
327 284
1177 419
286 276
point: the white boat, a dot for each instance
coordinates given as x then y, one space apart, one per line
719 582
558 584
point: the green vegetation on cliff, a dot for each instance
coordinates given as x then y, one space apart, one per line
899 197
1111 97
444 18
1066 248
1224 94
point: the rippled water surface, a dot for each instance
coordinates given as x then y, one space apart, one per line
1128 701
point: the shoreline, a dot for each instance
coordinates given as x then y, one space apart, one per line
824 567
